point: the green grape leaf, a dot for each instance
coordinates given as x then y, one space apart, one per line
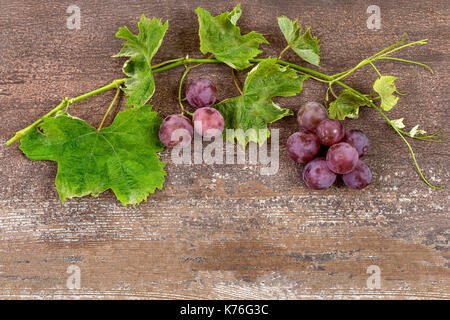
385 87
416 131
249 114
304 45
122 157
141 49
346 105
398 123
220 36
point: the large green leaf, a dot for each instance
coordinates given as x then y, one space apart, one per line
304 45
220 36
122 157
140 49
255 109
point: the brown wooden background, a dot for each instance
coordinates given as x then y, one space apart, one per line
225 231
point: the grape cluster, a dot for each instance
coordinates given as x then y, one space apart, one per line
342 150
177 130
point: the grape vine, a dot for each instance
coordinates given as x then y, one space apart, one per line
222 40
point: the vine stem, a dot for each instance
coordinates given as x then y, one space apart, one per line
375 68
181 62
431 137
156 66
109 109
64 103
235 80
283 51
180 86
407 144
166 65
383 54
408 61
331 90
169 64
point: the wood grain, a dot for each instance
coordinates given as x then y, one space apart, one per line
225 231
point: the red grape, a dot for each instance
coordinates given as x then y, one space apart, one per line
330 131
310 115
176 130
358 140
317 175
201 93
342 158
302 147
208 122
358 178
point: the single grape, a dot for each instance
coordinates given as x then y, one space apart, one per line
208 122
176 130
310 115
358 140
302 147
358 178
330 131
342 158
201 93
317 175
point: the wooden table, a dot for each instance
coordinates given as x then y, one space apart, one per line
225 231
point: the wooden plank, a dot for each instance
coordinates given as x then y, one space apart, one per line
225 231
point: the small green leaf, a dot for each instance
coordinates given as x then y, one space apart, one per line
416 131
122 157
220 36
140 49
305 45
385 87
398 123
252 111
346 105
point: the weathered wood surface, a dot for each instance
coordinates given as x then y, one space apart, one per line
225 231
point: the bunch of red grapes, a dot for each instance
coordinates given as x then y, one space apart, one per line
177 130
343 149
320 134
